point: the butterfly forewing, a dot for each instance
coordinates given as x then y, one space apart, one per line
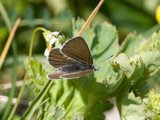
77 49
58 59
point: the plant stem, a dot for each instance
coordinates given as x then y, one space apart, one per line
36 102
14 77
9 41
17 101
3 55
5 16
90 18
31 44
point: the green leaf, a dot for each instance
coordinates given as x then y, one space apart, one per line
97 112
51 112
88 34
123 63
132 108
86 98
129 46
35 74
105 45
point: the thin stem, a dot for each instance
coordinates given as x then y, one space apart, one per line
90 18
4 53
9 41
5 16
31 44
24 82
36 102
17 101
13 89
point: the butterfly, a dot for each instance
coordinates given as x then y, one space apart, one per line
73 60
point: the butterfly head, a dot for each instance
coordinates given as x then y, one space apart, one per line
95 68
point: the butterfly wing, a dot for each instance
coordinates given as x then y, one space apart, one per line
55 75
59 75
58 59
76 74
77 49
74 51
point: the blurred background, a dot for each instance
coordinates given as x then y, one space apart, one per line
57 15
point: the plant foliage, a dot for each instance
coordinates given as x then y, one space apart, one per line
125 76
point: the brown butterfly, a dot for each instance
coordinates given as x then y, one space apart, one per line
73 60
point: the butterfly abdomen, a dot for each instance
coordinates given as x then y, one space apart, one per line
76 68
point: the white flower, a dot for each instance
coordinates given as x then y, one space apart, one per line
46 52
51 38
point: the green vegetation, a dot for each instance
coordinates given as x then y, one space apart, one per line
131 76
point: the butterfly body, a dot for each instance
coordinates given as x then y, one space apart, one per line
76 68
73 60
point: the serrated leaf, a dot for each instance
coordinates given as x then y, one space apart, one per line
132 107
129 46
151 61
151 43
123 63
105 45
138 69
88 34
35 74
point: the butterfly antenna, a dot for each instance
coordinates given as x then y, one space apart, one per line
97 68
106 59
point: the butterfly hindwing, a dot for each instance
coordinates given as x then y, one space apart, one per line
59 74
58 59
76 74
55 75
